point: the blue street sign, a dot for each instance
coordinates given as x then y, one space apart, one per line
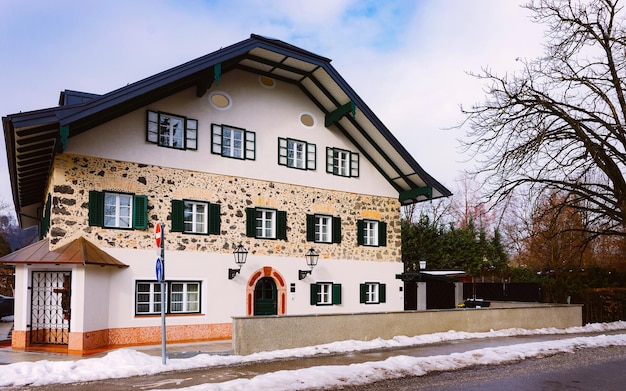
159 270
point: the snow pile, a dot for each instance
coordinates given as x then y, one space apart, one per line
128 362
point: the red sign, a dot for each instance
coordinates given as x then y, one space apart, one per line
157 235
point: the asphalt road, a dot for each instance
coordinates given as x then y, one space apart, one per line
585 369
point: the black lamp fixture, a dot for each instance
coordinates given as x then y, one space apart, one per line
241 254
311 260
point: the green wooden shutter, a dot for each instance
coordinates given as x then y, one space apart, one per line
336 229
251 222
216 139
382 233
191 134
215 219
45 221
152 131
96 208
382 293
310 228
282 151
140 211
360 232
311 161
362 293
314 289
329 160
336 293
354 164
178 215
250 144
281 225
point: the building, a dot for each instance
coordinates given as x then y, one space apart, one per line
260 146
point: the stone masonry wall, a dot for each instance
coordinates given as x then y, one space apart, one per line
74 176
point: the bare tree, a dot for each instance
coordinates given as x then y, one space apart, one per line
558 125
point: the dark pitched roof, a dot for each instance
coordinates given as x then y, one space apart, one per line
33 138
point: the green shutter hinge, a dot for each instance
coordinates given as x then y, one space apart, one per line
64 135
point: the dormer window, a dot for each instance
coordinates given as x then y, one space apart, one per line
172 131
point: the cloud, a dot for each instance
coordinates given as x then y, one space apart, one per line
406 59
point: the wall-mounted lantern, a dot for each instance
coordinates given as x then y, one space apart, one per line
241 254
422 264
311 260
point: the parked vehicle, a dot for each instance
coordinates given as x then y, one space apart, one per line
6 306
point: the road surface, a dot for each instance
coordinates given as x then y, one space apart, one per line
584 369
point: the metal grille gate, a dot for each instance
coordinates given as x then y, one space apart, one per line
50 308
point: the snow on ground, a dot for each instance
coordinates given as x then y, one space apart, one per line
128 362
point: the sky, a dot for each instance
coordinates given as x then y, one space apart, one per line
128 362
407 59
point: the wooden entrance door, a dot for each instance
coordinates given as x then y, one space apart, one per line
265 297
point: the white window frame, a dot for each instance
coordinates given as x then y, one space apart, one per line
198 221
370 233
118 214
185 300
154 298
172 134
372 295
189 299
296 154
323 229
229 147
341 162
324 293
265 223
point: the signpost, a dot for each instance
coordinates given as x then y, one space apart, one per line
160 276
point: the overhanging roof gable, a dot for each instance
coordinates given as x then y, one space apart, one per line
313 74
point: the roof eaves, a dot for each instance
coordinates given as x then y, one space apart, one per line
393 141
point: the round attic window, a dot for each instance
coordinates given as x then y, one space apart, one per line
307 119
220 100
267 82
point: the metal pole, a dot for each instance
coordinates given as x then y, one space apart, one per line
163 333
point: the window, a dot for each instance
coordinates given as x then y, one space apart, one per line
296 154
371 233
172 131
372 293
118 210
148 298
233 142
180 297
325 293
341 162
264 223
323 229
196 217
184 297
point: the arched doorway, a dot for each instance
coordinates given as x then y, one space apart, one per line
265 297
272 280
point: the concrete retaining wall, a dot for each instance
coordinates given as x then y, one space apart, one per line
264 333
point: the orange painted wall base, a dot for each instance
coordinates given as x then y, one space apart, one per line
101 340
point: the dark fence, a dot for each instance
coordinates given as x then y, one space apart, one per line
604 305
502 291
